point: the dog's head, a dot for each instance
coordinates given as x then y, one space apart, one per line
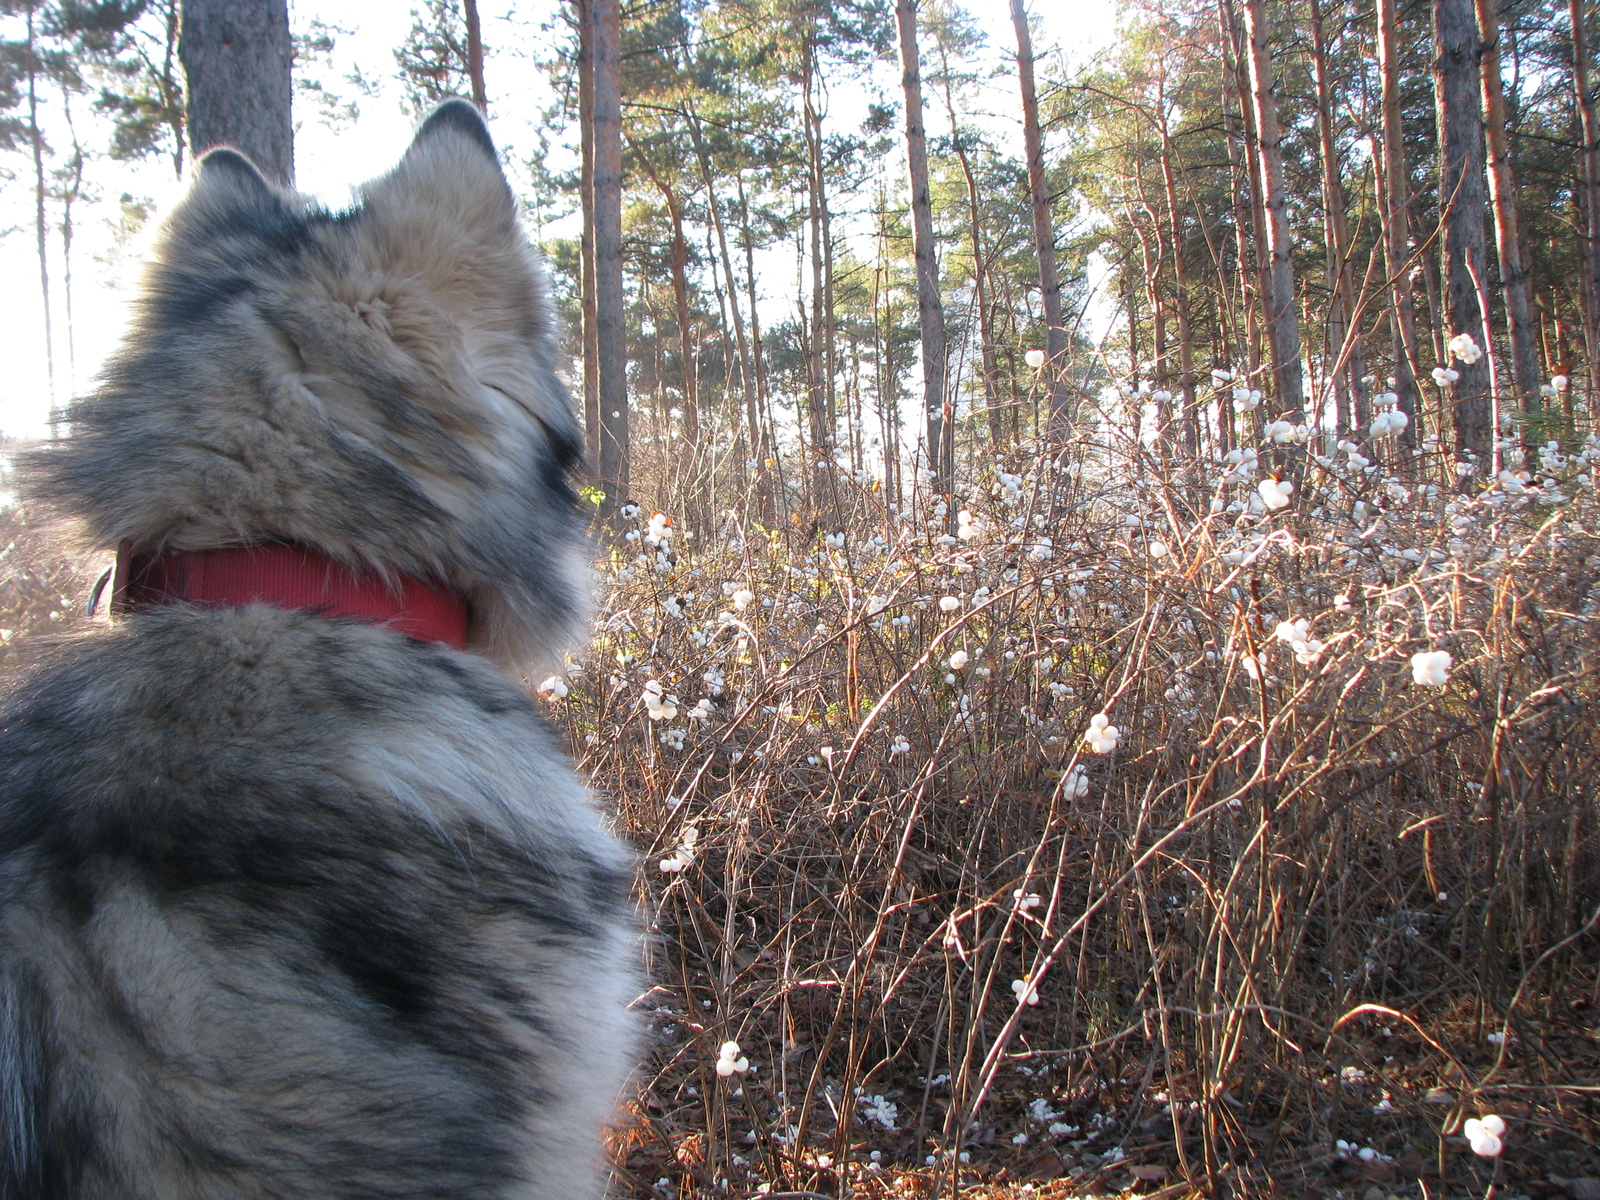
380 384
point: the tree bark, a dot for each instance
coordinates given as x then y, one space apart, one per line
1393 207
610 329
1188 415
1461 202
591 345
980 264
1348 390
1044 237
480 95
747 371
1507 225
1589 174
930 311
1283 325
41 225
237 56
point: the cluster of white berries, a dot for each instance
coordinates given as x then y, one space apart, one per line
1464 348
555 687
1388 418
899 746
1275 493
683 854
1485 1135
1557 385
659 706
1285 433
1243 463
1246 399
967 527
1026 992
659 530
1431 668
1102 736
730 1061
1298 634
1444 376
835 541
1026 900
1076 784
741 596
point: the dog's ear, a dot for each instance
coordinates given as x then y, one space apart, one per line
224 176
450 169
455 118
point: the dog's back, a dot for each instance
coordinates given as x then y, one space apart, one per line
299 906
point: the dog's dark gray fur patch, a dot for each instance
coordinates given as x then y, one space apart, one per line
295 907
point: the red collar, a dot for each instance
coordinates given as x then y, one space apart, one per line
287 576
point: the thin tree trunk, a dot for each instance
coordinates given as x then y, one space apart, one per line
1507 227
749 376
1283 326
1393 207
480 96
1589 174
591 342
610 328
1461 202
237 56
40 222
1349 390
1240 187
71 190
817 412
1188 415
980 264
1044 238
930 311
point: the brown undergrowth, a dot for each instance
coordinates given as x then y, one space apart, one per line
1307 917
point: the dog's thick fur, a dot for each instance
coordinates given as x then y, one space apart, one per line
300 907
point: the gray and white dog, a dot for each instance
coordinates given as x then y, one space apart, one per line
293 904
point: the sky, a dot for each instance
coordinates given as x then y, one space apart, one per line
329 161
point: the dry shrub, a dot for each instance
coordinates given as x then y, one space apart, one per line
1305 918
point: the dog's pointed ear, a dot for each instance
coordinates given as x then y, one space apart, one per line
451 166
456 118
225 175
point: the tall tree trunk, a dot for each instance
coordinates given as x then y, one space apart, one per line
1348 389
610 328
71 191
980 263
1283 326
1240 187
1461 201
929 309
1044 236
1507 227
584 12
749 371
480 95
1393 206
1188 414
818 409
41 225
237 56
1589 175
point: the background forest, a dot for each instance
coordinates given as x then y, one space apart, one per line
1097 558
